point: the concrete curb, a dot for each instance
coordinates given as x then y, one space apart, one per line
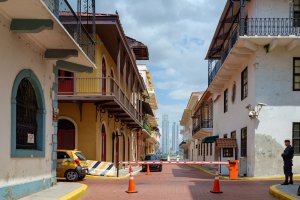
279 194
75 194
266 178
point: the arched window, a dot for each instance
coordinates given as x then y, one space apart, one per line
66 135
103 76
28 116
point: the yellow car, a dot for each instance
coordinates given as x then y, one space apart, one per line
71 164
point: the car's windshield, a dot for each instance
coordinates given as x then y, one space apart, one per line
80 156
151 157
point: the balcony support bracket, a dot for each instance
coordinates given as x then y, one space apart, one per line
73 67
30 25
60 53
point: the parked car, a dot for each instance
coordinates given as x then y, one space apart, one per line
71 164
153 167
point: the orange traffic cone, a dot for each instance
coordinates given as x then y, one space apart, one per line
148 170
216 188
131 186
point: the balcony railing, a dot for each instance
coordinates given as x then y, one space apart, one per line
73 86
204 124
64 12
255 27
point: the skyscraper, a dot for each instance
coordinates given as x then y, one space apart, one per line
175 133
165 134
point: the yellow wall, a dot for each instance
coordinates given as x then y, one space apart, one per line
89 130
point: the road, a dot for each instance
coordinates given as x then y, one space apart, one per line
177 182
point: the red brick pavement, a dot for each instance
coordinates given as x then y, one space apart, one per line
177 182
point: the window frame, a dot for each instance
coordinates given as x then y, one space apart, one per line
230 153
296 149
294 72
244 84
226 101
244 148
296 20
41 116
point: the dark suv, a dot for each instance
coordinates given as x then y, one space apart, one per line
153 167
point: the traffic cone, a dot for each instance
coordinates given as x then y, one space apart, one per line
131 186
148 170
216 188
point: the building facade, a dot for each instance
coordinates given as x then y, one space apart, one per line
188 144
33 48
101 113
165 144
254 83
150 106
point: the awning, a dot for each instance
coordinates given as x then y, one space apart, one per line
211 139
147 108
226 143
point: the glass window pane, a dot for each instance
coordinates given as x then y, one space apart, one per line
297 70
297 86
297 62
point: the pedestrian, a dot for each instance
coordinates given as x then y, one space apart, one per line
287 157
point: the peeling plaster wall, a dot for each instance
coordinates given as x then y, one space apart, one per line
274 77
18 53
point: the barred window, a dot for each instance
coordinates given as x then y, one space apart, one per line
296 13
296 137
296 74
244 84
244 142
27 109
225 100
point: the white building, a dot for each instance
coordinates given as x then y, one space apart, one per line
188 145
34 45
254 78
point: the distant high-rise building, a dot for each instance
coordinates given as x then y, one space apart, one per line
175 133
165 134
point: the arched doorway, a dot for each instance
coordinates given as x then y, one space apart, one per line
66 134
103 143
103 76
113 148
124 145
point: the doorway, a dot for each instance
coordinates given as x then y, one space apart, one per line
66 134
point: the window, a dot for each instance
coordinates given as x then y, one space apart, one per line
211 149
206 146
199 149
244 142
296 71
28 116
201 153
227 152
62 155
296 137
244 84
225 100
225 135
233 134
296 13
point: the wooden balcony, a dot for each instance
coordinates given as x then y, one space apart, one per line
103 92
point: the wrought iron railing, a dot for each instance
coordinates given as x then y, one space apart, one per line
202 124
73 86
71 20
255 27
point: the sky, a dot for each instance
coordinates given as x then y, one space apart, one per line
178 34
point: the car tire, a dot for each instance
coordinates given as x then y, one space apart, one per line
71 175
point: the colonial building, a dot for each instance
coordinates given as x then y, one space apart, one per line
188 145
150 106
101 113
254 81
34 45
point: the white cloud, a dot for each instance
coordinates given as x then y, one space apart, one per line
178 34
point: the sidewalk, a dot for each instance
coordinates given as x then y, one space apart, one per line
61 191
286 192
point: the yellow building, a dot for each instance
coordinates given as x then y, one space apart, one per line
150 125
101 112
